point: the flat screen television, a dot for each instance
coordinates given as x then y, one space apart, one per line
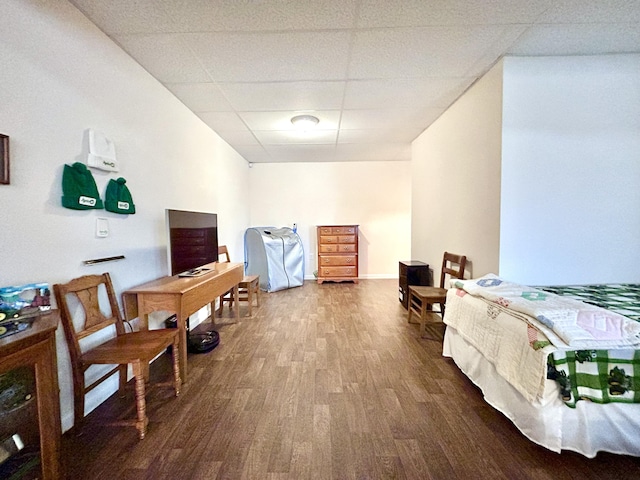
192 241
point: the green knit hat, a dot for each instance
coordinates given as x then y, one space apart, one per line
79 189
118 198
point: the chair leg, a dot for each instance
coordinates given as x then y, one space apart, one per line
414 307
141 407
78 401
122 379
176 365
250 300
423 319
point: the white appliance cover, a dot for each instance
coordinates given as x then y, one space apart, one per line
277 255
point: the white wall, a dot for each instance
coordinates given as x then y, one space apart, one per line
375 195
546 155
60 76
455 181
571 170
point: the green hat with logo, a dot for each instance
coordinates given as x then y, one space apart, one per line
79 189
118 198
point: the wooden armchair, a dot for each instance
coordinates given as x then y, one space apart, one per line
247 288
136 348
422 299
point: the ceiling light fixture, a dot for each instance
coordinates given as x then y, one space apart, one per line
305 122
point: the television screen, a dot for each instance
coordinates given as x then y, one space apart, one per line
192 240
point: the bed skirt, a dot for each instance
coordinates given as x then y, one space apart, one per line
586 429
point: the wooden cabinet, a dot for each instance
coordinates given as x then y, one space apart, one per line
38 420
338 253
412 272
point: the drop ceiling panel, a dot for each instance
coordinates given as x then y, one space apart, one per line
420 52
244 137
382 118
127 16
585 39
412 13
266 57
164 56
592 11
223 121
284 95
226 15
201 97
372 135
404 92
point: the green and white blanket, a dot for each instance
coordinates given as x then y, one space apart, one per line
592 353
600 375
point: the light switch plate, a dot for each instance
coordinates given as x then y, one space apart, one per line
102 227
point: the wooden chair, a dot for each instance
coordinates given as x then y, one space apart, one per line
422 299
136 348
247 288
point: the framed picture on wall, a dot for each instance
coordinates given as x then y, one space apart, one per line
4 159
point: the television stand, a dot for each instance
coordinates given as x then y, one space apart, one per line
183 296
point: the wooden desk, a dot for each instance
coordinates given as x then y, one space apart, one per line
35 347
184 297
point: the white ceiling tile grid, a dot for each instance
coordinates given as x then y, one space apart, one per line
376 73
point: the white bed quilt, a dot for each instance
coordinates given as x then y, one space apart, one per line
568 323
516 349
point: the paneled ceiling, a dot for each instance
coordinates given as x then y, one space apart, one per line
376 73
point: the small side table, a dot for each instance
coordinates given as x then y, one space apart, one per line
412 272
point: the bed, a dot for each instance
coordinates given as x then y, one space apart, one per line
566 372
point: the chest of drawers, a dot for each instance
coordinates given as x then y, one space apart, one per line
337 253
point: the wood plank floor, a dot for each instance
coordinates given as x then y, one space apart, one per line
324 382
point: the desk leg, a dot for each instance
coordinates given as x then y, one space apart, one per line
144 325
236 300
182 337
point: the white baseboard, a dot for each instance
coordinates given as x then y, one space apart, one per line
375 276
